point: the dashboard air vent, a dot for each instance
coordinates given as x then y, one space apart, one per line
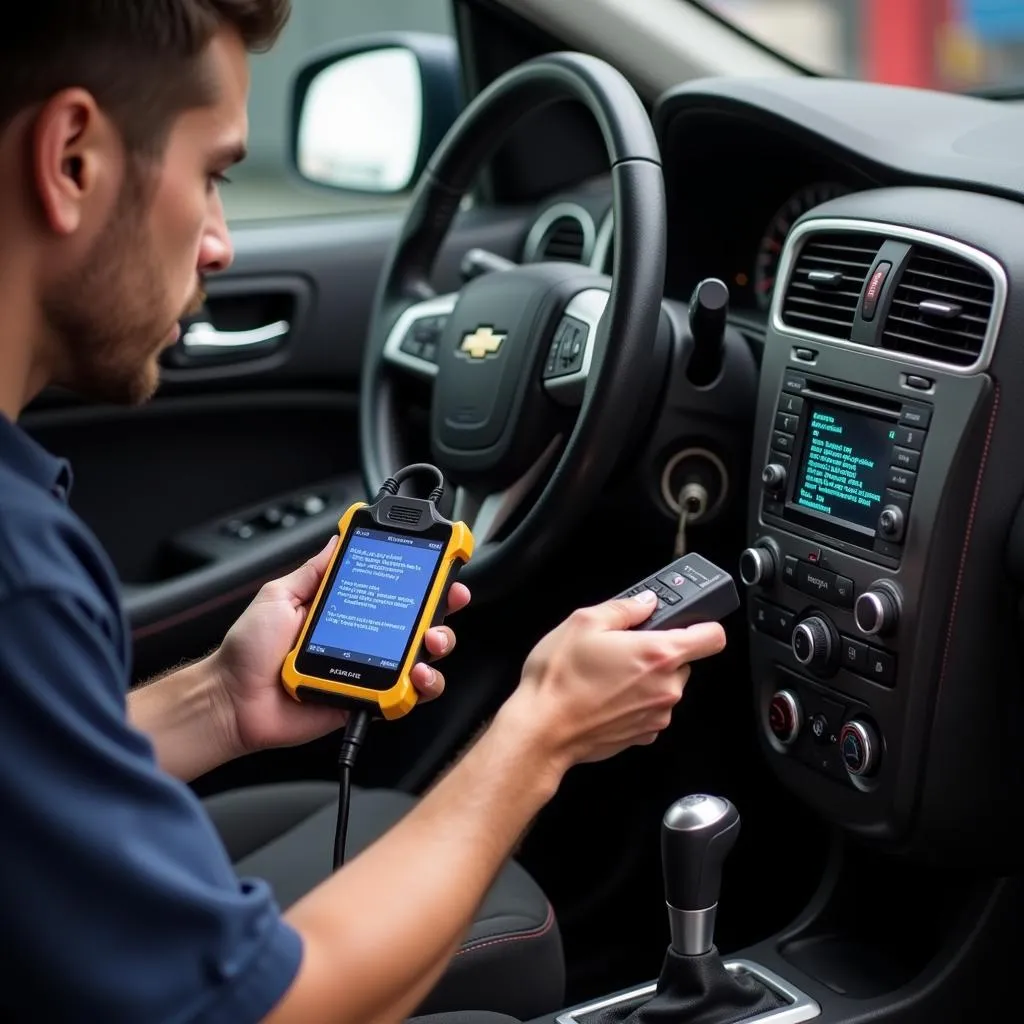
827 280
564 240
940 309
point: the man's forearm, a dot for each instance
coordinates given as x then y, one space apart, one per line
379 934
183 715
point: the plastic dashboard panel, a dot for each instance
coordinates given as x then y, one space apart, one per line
953 778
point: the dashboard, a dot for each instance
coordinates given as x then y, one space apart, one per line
867 417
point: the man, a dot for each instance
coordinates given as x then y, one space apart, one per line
118 119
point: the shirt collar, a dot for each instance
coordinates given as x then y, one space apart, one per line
30 459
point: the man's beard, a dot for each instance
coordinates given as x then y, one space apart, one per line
110 317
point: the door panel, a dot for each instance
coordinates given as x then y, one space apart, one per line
178 491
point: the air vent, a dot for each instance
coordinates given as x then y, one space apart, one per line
940 309
407 514
564 240
827 280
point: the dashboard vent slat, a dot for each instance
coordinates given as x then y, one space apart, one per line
564 240
940 309
828 277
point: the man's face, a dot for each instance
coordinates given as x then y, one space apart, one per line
119 309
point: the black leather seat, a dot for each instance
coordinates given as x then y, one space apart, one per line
511 961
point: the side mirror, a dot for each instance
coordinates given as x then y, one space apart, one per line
368 113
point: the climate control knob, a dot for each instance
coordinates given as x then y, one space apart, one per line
757 566
812 643
773 476
877 611
785 717
859 747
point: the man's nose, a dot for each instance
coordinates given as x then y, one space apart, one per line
216 253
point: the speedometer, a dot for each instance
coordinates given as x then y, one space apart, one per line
769 251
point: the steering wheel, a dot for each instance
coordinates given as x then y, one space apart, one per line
536 370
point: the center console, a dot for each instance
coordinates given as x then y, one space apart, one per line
873 493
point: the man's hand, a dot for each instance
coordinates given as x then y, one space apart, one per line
257 711
593 687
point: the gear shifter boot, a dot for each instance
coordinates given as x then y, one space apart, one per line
694 990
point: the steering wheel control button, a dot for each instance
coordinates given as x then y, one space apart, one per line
874 290
772 620
876 612
812 643
859 747
565 355
757 566
785 719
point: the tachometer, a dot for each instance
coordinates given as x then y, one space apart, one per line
769 250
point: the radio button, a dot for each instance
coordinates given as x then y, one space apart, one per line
817 582
787 422
916 416
853 655
771 619
902 479
773 476
794 382
789 567
910 437
791 404
904 458
881 666
844 592
782 442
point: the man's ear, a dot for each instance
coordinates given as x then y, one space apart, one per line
74 153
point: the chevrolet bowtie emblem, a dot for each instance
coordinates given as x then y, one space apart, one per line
481 343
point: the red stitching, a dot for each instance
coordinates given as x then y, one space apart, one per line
535 934
967 536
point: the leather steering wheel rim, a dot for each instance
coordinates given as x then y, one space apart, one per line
626 339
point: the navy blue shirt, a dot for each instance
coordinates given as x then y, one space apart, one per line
118 901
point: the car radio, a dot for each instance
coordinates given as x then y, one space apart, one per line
843 462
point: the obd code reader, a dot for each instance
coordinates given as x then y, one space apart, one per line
387 584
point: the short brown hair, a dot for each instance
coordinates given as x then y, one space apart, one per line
140 59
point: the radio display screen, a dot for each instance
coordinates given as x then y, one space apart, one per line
844 466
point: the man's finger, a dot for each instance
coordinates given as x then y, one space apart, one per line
458 597
440 641
624 613
428 681
701 641
303 583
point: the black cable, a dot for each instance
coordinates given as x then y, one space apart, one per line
352 741
393 483
359 721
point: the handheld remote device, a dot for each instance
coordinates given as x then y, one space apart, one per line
690 590
386 585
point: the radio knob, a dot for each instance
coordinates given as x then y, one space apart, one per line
876 611
757 566
891 522
773 476
812 643
785 718
859 747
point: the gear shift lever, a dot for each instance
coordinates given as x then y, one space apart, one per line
697 834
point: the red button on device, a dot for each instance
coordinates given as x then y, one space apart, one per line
874 289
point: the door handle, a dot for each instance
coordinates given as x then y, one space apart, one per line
203 338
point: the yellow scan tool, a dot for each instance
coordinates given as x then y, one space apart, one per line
386 585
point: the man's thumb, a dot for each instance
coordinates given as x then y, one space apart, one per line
626 612
305 580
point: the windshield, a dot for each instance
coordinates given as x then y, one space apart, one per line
955 45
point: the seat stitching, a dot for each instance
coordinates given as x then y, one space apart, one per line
533 933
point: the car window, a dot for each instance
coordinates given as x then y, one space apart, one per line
264 187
